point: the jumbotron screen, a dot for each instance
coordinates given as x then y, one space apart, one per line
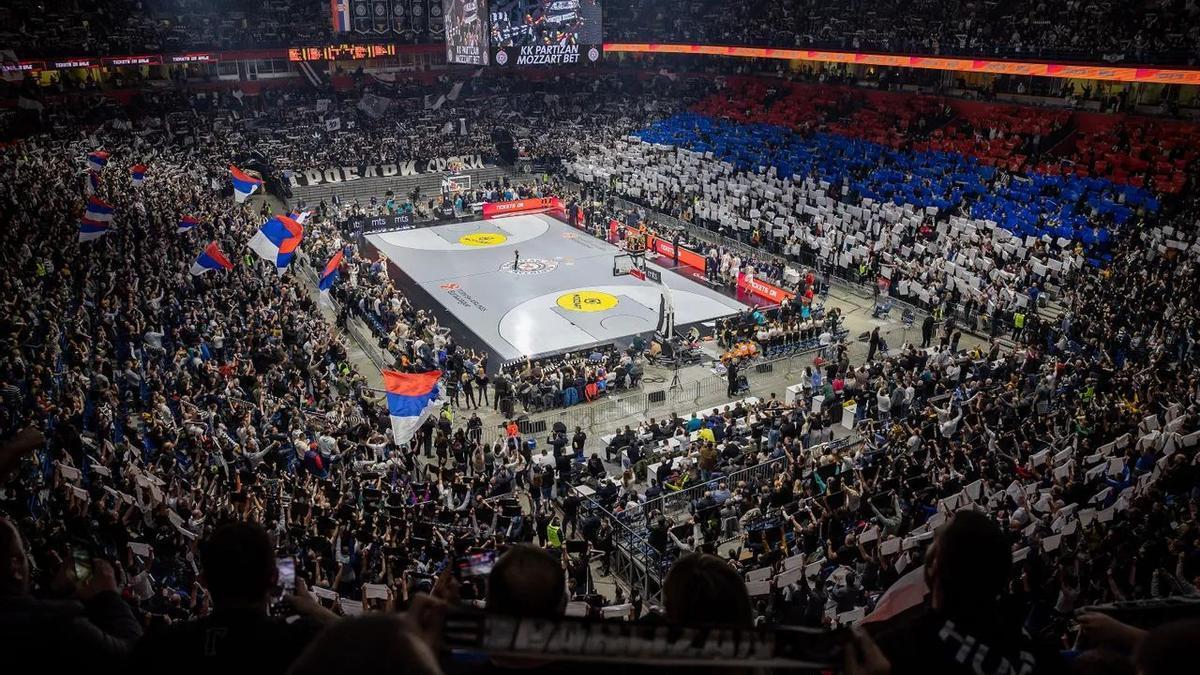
466 32
546 32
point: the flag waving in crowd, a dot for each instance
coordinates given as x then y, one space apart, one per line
186 223
411 398
98 210
244 184
138 173
92 229
299 216
92 185
97 160
211 258
277 240
330 274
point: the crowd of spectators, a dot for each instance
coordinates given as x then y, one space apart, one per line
1079 442
184 451
1148 31
1137 32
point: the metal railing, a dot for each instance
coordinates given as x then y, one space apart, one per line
639 564
708 391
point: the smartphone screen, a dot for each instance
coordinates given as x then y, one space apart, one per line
287 575
83 565
477 564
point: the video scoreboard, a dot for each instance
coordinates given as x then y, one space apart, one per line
524 32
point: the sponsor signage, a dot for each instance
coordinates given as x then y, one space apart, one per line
193 58
495 209
146 60
374 224
548 55
763 289
82 62
962 65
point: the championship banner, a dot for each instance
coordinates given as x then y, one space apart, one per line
497 209
349 174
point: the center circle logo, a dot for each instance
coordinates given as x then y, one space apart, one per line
482 239
587 301
530 266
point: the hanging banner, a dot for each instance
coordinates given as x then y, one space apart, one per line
349 174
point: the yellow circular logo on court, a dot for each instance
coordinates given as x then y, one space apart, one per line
482 239
587 301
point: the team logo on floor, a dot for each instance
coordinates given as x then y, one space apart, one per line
530 266
482 239
587 301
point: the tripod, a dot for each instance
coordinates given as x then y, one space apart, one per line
675 377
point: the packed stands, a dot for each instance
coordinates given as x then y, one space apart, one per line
1137 32
189 453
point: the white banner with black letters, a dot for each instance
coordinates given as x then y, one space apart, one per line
348 174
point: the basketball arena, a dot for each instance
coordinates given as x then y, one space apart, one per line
560 295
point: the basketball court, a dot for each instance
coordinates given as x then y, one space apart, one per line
561 295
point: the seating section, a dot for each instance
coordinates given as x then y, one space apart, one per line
1140 31
1070 207
1150 153
1003 136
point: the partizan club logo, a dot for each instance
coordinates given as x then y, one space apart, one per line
501 57
530 266
593 55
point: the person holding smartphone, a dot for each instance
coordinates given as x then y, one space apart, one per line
94 631
246 582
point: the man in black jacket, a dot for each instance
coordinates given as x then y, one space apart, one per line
964 627
95 633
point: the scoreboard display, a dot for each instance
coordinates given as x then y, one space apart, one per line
546 32
341 52
466 32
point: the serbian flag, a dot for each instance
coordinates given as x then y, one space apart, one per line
330 274
138 173
92 185
244 184
97 160
98 210
411 398
90 229
300 216
186 223
210 259
277 240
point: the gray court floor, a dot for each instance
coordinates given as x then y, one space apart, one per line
560 295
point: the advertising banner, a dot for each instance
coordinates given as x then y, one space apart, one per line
495 209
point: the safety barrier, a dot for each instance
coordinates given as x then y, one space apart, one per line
639 564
